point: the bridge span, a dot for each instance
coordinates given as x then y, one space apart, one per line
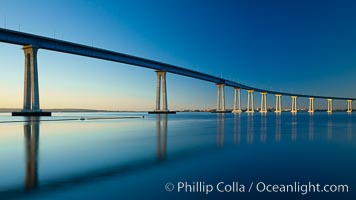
32 43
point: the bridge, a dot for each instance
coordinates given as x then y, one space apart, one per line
31 104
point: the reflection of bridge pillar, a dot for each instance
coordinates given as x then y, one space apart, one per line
330 128
330 105
220 102
311 128
161 88
31 132
294 127
311 105
263 102
161 128
250 129
263 130
278 103
237 129
237 101
278 128
250 106
220 130
294 104
349 106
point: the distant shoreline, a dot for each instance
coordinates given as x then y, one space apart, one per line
6 110
64 110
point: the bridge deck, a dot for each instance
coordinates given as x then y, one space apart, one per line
20 38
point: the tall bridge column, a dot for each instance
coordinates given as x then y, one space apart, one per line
294 104
161 88
349 106
311 105
237 101
250 101
263 102
278 103
220 101
330 105
31 101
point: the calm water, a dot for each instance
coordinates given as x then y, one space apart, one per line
135 158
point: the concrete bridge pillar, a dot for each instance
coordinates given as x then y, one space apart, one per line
158 92
278 103
220 103
294 104
161 89
349 106
237 101
330 105
263 102
250 102
311 105
31 101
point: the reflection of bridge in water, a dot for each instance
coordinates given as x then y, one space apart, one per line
258 125
243 132
31 105
32 134
31 130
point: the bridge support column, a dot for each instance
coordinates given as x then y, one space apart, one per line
263 102
311 105
349 106
250 101
278 103
237 101
330 106
161 87
31 102
220 101
294 104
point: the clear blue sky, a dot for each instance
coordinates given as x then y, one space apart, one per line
300 46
